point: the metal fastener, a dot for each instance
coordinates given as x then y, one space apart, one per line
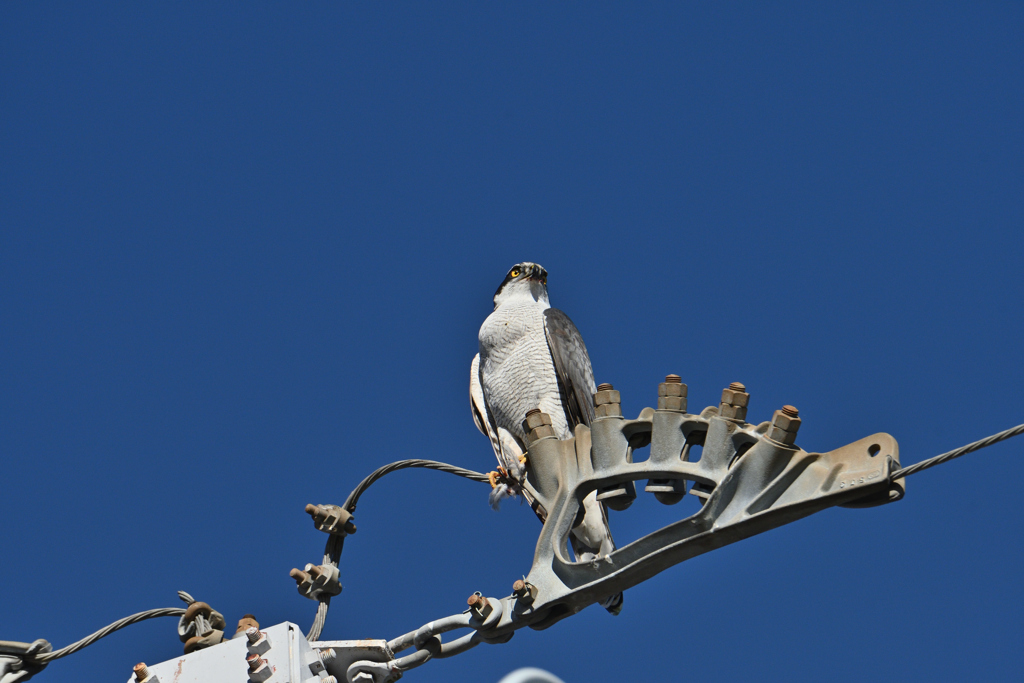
258 642
785 425
259 670
672 394
331 519
734 402
524 592
480 606
607 401
537 425
142 674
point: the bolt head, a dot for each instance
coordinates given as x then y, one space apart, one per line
524 592
676 403
776 433
605 396
671 389
732 412
736 398
535 420
789 423
259 646
480 605
261 673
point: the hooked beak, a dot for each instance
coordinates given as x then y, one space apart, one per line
538 275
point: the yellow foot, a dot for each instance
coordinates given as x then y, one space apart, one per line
493 478
522 459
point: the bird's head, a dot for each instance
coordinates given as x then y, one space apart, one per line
524 281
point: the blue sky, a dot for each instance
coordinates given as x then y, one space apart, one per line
246 250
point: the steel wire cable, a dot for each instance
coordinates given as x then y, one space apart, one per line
353 498
956 453
332 552
45 657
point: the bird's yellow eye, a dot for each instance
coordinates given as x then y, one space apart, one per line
515 272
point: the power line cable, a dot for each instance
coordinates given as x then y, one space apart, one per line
956 453
36 654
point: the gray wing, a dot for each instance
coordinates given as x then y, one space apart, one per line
572 366
506 449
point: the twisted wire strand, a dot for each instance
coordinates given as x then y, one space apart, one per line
353 498
956 453
332 551
45 657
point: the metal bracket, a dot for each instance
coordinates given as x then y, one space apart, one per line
751 478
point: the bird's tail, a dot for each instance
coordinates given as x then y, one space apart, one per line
584 553
613 604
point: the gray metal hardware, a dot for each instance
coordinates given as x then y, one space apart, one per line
751 478
256 641
317 580
287 659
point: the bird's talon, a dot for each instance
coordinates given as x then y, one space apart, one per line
492 477
522 459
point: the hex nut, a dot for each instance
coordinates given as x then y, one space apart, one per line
732 412
671 389
260 647
261 673
784 421
608 410
776 433
606 396
735 398
676 403
539 432
534 420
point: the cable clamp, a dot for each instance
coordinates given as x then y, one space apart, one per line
331 519
317 581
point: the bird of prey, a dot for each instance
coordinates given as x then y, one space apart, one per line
532 356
